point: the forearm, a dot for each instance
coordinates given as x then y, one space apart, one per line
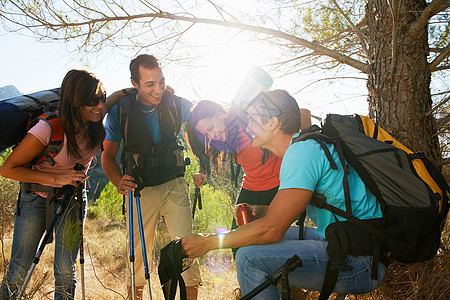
254 233
24 174
112 99
111 169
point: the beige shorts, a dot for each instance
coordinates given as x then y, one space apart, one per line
170 200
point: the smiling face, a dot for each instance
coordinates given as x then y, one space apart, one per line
213 128
94 113
151 85
260 131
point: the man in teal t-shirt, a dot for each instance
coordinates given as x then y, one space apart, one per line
266 243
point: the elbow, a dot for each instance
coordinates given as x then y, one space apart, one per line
274 234
4 171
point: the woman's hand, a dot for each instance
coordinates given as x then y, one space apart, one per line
199 179
112 99
71 177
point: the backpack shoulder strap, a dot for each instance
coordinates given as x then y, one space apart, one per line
56 139
123 110
172 110
322 139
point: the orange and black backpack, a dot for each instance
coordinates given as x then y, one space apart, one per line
412 193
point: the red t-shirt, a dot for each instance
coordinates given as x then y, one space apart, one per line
257 177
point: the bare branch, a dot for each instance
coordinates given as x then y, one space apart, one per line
436 50
444 53
319 49
361 36
442 122
443 162
442 68
432 8
442 102
276 33
444 6
362 22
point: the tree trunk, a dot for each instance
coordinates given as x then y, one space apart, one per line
399 79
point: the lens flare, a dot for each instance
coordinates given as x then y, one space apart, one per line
217 262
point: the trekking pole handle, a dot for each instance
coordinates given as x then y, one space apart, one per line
272 279
129 163
292 263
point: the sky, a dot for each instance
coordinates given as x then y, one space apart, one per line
31 66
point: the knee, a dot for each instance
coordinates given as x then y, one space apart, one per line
243 258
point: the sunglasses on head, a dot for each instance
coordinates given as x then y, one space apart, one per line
94 101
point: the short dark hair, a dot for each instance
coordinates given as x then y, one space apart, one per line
279 104
144 60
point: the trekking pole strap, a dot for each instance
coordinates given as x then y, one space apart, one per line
331 277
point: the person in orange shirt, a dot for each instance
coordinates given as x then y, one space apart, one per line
223 131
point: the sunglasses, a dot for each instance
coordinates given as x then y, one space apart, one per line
94 101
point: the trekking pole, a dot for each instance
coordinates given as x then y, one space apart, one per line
290 265
67 190
129 161
137 195
80 212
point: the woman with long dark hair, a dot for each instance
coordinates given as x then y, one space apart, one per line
81 111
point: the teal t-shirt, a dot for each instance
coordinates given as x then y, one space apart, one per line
305 166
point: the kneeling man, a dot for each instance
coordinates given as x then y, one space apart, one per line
266 243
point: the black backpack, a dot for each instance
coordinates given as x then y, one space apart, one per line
19 114
411 191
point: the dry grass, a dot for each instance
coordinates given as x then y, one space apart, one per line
106 261
105 266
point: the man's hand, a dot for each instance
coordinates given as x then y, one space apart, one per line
126 184
199 179
196 245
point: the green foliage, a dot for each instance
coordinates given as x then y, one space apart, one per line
217 203
217 200
108 205
4 155
217 210
439 33
323 23
72 235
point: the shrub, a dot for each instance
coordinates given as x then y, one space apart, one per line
108 205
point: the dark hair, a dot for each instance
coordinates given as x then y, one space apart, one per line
145 60
205 109
202 147
279 104
77 88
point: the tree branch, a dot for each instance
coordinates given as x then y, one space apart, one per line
444 6
361 36
442 122
246 27
442 102
444 161
432 8
442 68
444 53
